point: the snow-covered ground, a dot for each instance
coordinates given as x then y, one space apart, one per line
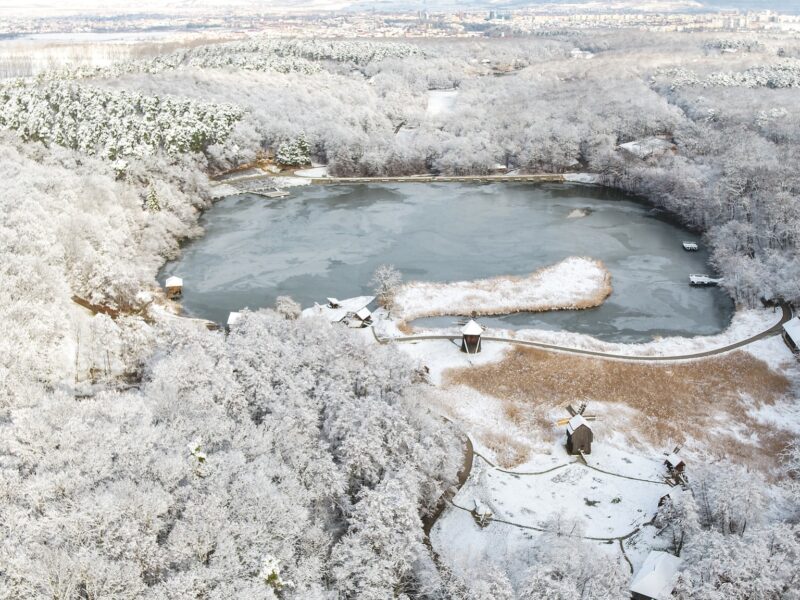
441 102
608 506
575 282
313 172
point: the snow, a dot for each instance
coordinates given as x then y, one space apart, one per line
314 172
440 355
441 102
575 282
648 147
173 282
656 577
583 178
745 324
578 213
233 318
472 328
575 422
674 460
792 329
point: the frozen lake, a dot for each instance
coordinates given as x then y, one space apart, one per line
327 240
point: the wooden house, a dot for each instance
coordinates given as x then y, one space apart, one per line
579 435
333 303
174 287
656 578
674 463
791 334
361 318
471 338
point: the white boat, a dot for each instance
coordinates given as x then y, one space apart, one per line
690 246
703 280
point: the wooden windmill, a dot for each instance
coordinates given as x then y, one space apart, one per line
579 433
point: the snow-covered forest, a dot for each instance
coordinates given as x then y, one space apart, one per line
143 456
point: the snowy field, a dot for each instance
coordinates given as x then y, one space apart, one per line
607 506
573 283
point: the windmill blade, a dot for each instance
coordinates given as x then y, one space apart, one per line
676 450
571 410
582 408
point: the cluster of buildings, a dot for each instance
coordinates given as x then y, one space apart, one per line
352 24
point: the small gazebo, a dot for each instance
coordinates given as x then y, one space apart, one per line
471 338
174 287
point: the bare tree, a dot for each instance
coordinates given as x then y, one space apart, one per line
386 280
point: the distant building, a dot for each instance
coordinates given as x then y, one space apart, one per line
174 287
791 334
471 338
656 578
579 436
233 318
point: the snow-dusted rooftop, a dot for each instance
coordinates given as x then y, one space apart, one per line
792 329
346 307
233 318
363 314
674 460
471 328
656 577
576 422
173 282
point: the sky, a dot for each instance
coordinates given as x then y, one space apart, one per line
60 7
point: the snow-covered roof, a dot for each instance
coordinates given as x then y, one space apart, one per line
173 282
576 422
656 577
792 329
346 307
472 328
674 460
333 301
363 314
233 318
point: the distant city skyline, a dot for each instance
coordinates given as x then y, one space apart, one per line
42 8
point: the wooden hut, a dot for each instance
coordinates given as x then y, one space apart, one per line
333 303
579 436
471 338
361 318
791 334
674 463
656 578
174 287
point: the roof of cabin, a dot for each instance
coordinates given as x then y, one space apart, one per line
234 317
792 329
576 422
472 328
674 460
656 577
346 307
173 281
363 314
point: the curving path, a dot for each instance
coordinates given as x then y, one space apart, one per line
774 330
